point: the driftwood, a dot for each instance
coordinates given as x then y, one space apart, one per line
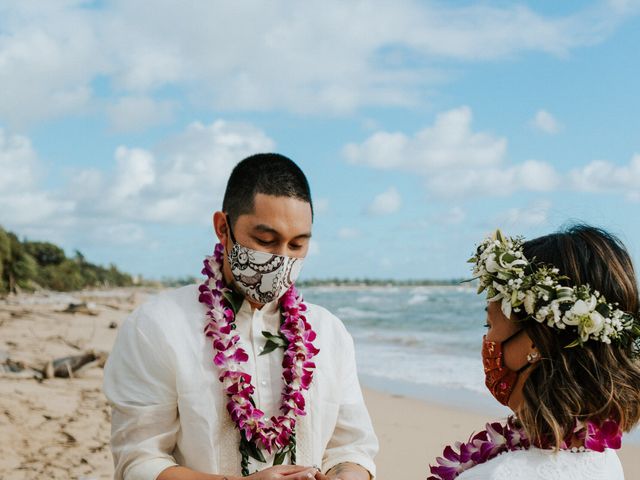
84 307
64 367
13 369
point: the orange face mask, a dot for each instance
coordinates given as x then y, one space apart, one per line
499 379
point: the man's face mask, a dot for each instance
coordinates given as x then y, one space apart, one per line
499 379
261 276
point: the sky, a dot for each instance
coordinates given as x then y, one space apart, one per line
422 126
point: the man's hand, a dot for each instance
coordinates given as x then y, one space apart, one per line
346 471
280 472
286 472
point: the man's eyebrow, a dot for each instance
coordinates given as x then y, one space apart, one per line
261 227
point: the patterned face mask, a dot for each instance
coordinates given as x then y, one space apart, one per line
499 379
261 276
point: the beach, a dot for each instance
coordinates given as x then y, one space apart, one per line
58 428
413 432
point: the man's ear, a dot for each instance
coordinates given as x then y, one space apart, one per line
221 228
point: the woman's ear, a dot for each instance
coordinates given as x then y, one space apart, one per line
221 228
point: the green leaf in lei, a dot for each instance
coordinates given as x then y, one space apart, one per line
279 458
290 449
235 300
252 450
273 342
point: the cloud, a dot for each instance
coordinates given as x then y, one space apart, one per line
531 175
182 181
130 114
320 205
48 58
603 176
624 7
385 203
449 143
135 171
348 233
117 233
314 248
453 216
453 159
22 202
18 162
260 55
545 122
533 215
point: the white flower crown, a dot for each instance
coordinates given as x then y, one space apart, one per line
507 275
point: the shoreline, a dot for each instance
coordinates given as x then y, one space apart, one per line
454 398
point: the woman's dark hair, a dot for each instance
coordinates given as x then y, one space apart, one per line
595 381
266 173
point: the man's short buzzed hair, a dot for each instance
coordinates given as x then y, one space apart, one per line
266 173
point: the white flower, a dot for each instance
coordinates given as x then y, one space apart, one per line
591 324
506 307
542 314
557 314
491 264
495 298
529 301
580 309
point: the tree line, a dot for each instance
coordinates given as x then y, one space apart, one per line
28 265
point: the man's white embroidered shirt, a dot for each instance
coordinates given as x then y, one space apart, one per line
169 408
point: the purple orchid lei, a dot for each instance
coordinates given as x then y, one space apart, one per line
276 433
499 438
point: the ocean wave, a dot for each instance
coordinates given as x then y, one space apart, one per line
417 299
424 335
371 299
435 370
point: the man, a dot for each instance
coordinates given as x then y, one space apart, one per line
237 377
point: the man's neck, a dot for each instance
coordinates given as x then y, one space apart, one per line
254 306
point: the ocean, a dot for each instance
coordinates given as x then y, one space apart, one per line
422 342
422 339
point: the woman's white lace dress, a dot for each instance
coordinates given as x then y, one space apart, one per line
536 464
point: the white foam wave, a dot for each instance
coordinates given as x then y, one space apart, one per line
435 370
417 299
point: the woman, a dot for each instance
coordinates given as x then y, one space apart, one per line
562 350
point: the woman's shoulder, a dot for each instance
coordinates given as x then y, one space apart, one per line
536 464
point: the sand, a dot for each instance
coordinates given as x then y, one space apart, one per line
58 428
413 433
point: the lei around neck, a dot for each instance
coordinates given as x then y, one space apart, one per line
276 434
499 438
